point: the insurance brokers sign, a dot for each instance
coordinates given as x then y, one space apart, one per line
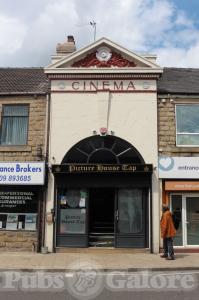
22 173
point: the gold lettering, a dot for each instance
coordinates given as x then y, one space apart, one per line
103 168
99 168
129 168
71 168
77 168
124 167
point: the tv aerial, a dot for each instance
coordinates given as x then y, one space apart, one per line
94 25
91 23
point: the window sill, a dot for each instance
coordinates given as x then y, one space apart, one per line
24 148
17 230
181 149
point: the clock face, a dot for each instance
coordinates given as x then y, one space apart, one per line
103 54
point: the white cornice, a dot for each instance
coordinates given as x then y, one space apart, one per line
103 70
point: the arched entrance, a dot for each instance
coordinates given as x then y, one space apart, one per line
103 149
102 188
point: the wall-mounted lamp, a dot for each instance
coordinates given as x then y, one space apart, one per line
103 131
171 100
94 132
163 100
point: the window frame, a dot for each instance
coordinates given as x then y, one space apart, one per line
3 116
183 133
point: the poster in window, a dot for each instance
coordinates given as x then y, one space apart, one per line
30 222
73 198
63 200
12 220
72 221
14 201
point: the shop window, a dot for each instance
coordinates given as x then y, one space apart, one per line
72 211
187 125
18 210
14 125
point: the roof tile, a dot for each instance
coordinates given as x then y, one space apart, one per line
179 81
23 81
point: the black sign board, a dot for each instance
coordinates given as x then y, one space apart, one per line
102 168
18 202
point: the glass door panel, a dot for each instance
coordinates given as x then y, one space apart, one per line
192 220
72 218
176 207
130 211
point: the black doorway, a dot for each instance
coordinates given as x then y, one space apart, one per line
101 217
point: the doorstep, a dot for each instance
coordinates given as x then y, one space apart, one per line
102 250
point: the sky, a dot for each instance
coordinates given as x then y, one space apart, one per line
31 29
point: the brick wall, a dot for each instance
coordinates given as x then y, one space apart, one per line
36 129
18 241
25 240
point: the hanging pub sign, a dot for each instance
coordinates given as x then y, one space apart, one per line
102 168
24 173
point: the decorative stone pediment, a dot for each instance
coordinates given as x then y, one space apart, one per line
104 56
94 60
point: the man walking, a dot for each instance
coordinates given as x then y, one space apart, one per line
167 233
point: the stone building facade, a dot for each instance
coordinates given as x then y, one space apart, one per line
22 88
178 147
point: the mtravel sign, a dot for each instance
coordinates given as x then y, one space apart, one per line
178 167
22 173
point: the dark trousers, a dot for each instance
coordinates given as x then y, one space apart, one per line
168 247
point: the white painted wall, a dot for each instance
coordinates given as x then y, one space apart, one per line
132 116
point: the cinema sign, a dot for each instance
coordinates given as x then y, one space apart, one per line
103 85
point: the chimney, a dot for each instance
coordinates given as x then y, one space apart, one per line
64 49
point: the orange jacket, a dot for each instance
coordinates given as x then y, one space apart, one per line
166 225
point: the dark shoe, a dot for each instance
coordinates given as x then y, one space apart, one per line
163 256
170 258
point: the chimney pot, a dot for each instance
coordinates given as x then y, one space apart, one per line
71 39
67 47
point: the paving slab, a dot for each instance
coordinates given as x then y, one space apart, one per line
99 260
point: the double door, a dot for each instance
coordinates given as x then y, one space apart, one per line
115 215
187 208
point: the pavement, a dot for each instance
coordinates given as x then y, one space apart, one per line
104 259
